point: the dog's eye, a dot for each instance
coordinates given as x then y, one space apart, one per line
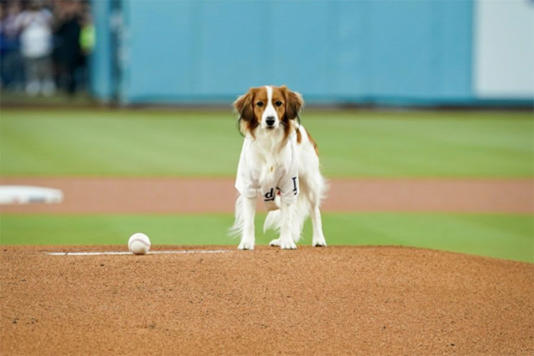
278 103
259 103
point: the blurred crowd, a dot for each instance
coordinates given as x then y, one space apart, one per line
44 45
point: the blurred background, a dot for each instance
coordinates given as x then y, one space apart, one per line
422 109
366 52
45 47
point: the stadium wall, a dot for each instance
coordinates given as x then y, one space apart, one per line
101 60
368 52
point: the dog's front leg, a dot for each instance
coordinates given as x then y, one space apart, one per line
247 235
286 214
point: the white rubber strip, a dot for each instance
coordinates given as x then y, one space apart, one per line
102 253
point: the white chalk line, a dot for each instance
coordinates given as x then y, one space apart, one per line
103 253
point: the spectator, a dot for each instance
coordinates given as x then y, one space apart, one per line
68 54
11 71
87 43
87 35
36 47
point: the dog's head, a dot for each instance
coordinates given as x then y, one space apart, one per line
268 108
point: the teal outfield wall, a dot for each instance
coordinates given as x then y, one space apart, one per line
370 51
101 61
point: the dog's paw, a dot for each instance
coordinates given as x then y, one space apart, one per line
275 242
288 245
246 245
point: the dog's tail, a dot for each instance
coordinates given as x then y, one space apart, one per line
299 211
272 221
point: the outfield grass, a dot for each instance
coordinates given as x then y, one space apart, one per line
178 143
502 236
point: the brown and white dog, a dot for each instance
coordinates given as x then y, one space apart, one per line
279 160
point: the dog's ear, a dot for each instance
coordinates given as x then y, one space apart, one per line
294 102
243 106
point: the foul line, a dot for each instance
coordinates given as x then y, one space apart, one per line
100 253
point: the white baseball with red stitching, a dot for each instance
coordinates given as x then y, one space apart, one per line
139 243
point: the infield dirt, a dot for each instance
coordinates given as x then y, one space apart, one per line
202 195
335 300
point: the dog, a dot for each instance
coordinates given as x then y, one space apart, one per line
280 161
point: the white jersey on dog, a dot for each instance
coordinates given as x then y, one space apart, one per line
257 174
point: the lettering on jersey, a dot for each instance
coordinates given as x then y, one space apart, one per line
295 189
269 196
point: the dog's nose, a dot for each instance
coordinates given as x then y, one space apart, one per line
270 120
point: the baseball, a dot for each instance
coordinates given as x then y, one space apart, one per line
139 243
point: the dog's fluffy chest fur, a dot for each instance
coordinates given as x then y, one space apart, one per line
272 156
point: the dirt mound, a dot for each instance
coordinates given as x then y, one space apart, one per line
337 300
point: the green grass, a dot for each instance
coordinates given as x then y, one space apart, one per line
181 143
502 236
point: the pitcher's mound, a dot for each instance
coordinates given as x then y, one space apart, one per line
335 300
